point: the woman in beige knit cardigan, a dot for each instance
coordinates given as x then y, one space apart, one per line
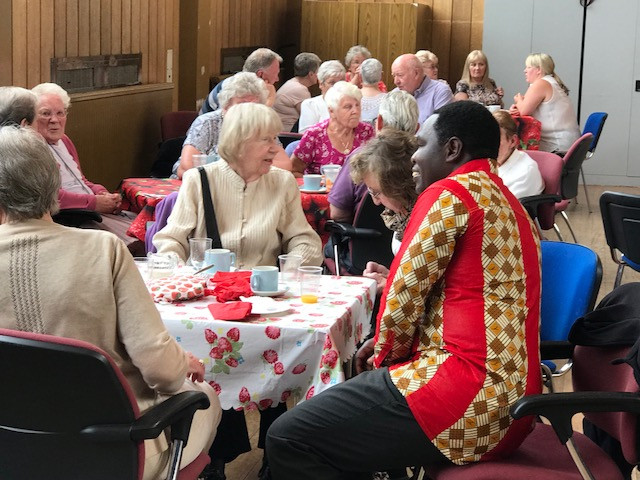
257 206
83 284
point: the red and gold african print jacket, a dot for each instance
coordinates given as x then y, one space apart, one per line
460 327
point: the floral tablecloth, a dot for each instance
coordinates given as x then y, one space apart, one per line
264 360
140 195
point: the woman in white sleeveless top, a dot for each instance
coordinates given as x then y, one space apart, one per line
547 100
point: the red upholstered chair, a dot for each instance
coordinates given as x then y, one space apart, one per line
176 124
542 208
68 412
599 387
573 160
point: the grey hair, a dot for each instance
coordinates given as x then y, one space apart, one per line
29 175
340 90
17 104
371 71
305 63
53 89
356 50
241 85
331 68
243 122
399 110
260 59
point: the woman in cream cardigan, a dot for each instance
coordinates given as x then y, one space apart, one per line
259 216
53 284
257 206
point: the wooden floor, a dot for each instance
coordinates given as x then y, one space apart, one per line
588 229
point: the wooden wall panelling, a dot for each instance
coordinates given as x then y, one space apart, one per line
144 40
6 44
116 27
441 38
84 22
72 28
153 43
105 27
46 39
126 26
19 38
460 38
135 26
94 23
33 42
60 28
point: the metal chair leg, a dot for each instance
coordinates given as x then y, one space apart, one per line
566 219
619 275
586 193
557 230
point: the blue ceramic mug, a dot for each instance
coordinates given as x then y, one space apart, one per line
264 279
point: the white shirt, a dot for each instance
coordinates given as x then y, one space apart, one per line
559 125
521 175
70 174
312 110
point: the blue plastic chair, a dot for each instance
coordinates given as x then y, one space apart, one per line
594 126
571 277
621 220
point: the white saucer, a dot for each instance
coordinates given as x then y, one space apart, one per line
322 190
266 306
270 294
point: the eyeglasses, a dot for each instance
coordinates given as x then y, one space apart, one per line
373 193
48 115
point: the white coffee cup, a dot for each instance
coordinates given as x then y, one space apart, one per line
222 260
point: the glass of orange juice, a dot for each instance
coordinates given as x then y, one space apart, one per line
309 283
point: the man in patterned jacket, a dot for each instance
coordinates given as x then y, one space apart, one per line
457 343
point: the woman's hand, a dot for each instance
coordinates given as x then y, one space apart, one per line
378 272
195 369
107 202
500 92
513 110
364 356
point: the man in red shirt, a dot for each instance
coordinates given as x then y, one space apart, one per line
457 342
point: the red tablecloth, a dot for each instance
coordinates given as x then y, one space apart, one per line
140 195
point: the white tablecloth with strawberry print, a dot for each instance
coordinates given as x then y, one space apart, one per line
263 360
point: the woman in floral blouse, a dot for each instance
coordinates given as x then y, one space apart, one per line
331 140
475 83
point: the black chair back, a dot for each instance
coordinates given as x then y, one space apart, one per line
621 221
168 154
365 249
53 394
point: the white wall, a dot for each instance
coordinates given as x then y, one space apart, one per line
513 29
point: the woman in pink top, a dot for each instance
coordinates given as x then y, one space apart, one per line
330 141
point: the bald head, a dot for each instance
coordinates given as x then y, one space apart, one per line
407 72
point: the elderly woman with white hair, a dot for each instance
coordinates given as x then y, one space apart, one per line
372 96
204 133
92 294
76 191
257 207
259 216
330 141
314 110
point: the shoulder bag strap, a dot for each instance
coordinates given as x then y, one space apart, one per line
209 212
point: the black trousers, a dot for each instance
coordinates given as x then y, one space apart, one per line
357 427
232 437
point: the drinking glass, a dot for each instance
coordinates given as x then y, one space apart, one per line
197 247
289 264
310 278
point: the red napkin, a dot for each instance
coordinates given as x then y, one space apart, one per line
231 285
230 310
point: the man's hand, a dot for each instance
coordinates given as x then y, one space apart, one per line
364 356
378 272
